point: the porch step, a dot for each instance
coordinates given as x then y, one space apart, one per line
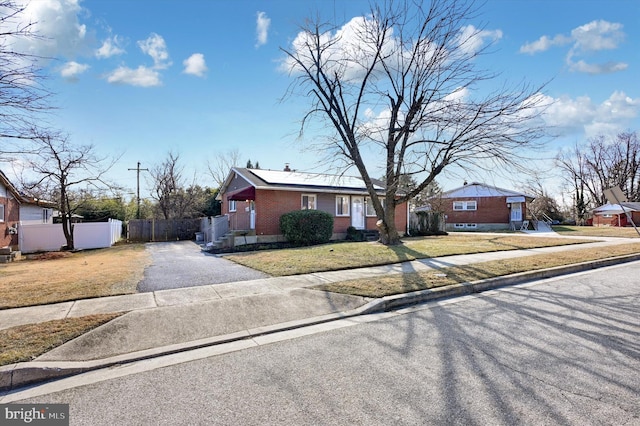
371 235
10 256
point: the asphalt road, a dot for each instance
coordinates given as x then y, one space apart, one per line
562 351
180 264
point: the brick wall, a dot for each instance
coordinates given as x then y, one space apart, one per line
11 218
271 204
616 220
489 210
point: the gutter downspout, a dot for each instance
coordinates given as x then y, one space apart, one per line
407 230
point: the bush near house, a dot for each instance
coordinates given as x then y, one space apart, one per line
307 227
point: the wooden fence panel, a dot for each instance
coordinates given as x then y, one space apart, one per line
145 230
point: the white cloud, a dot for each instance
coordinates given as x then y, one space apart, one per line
71 70
262 28
141 76
471 40
598 35
195 65
110 47
588 38
156 47
606 68
582 114
545 43
57 22
345 53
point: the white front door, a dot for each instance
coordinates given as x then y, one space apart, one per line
357 212
516 212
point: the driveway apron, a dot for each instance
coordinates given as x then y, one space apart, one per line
179 264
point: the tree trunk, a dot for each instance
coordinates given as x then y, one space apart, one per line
67 230
387 226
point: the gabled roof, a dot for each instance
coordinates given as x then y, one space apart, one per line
300 181
475 189
7 183
21 198
616 209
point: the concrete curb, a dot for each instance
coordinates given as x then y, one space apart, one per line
14 376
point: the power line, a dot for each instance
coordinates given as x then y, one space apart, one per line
138 170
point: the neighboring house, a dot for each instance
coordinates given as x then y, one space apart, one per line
477 206
36 211
15 209
615 215
9 212
254 200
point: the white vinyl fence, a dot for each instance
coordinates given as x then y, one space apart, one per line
49 237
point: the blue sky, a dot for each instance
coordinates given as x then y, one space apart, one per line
141 78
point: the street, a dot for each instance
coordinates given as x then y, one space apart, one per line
560 351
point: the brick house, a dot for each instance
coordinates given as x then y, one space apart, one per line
16 208
9 212
615 215
254 199
481 207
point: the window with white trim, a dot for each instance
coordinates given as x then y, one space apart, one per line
342 205
1 212
472 225
308 202
370 211
459 225
232 205
465 205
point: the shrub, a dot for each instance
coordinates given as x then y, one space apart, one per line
354 234
307 226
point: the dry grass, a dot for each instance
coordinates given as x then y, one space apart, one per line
596 231
71 276
344 255
26 342
402 283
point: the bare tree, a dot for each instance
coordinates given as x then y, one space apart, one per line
574 167
23 97
175 199
404 81
219 168
600 164
66 172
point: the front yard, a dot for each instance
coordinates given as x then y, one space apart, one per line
117 270
344 255
63 276
596 231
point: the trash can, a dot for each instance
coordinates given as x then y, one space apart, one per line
199 237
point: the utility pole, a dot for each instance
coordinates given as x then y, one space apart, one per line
138 169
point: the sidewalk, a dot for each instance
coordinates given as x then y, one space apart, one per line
170 321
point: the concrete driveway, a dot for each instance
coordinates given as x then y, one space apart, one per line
179 264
